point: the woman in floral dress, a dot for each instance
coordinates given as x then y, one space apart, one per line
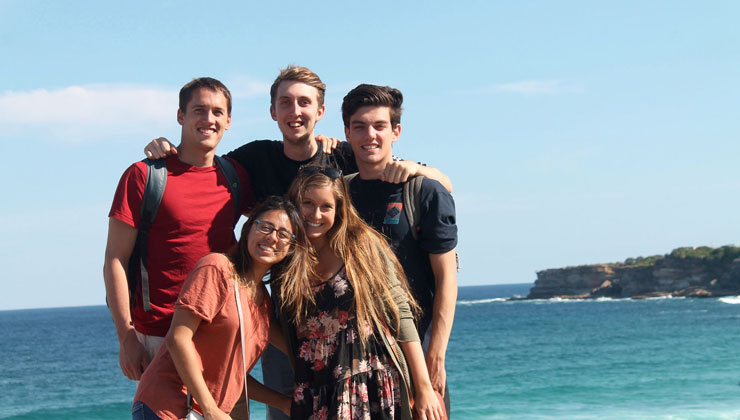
343 321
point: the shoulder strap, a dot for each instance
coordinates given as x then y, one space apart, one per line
412 203
156 179
232 177
241 334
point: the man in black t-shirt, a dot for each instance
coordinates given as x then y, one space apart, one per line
372 123
296 104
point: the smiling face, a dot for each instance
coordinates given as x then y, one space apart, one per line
296 110
371 135
267 249
318 210
204 120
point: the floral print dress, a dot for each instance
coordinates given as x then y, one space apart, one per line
337 377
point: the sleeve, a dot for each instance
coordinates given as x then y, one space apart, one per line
207 288
407 330
126 205
345 157
438 228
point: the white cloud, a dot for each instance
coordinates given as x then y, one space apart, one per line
83 113
247 87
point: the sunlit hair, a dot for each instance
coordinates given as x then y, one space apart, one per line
368 260
298 74
373 95
186 93
296 254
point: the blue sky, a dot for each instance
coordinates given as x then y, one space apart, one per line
575 132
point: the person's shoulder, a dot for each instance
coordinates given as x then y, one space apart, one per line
214 260
430 186
255 146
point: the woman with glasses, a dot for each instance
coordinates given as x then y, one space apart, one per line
344 320
202 355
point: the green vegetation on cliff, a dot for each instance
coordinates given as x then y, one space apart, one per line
721 257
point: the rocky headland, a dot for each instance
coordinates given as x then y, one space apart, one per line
690 272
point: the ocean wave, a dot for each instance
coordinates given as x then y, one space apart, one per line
732 300
481 301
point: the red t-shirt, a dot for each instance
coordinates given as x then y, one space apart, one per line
195 217
209 294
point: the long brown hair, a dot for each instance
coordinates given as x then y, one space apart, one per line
297 253
368 259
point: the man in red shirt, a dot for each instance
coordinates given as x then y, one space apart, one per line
195 217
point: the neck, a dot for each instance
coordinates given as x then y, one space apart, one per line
195 157
300 150
371 171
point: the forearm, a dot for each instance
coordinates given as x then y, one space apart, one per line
117 295
184 356
265 395
443 309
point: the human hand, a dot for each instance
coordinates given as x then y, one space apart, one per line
327 143
399 171
132 356
159 148
427 405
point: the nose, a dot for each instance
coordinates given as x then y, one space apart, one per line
316 213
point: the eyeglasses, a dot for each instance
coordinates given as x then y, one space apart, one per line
266 228
332 173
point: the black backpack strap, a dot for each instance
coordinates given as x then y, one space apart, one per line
411 202
232 177
156 179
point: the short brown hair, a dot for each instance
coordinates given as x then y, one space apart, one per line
186 93
373 95
298 74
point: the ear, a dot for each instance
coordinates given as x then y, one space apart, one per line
180 116
396 132
272 113
228 122
346 133
320 113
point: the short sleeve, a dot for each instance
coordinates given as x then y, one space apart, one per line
438 228
126 205
207 288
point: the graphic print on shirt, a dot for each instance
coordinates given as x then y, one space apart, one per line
393 213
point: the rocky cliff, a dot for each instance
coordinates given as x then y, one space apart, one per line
693 272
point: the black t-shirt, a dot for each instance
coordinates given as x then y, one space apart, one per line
380 204
272 172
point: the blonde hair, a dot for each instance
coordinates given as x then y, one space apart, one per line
369 262
298 74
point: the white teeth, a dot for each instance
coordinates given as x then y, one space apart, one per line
313 224
207 130
266 248
295 124
369 147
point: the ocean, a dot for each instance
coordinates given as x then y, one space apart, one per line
668 358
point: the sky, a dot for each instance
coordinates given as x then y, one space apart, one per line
575 132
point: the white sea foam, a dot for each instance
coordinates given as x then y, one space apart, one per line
732 300
478 302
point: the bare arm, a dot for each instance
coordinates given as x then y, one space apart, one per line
426 404
132 356
443 314
179 342
265 395
159 148
400 170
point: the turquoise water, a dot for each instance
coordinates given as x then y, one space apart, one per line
607 359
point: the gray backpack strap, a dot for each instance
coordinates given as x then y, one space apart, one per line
232 177
156 179
411 202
